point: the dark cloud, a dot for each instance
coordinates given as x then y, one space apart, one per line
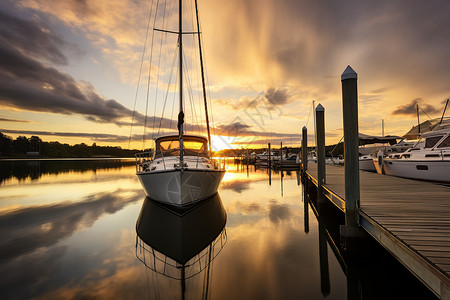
410 109
101 137
14 121
277 96
31 39
264 101
234 129
26 83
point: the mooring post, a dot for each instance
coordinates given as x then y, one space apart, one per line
269 157
281 158
351 144
304 149
320 149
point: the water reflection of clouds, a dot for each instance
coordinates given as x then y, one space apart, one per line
30 228
23 275
278 212
236 185
271 259
68 187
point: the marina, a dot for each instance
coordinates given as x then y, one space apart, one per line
150 153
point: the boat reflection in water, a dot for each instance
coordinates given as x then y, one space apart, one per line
176 245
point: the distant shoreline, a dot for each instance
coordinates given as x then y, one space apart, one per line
67 158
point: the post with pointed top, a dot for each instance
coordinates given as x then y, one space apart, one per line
320 149
351 143
304 149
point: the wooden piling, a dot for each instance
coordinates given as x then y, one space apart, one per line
269 157
351 144
320 148
304 149
281 158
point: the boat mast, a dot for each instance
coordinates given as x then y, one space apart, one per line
418 121
181 113
203 77
314 115
443 113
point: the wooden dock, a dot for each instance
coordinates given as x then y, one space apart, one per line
411 219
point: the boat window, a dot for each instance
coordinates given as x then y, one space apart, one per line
168 145
431 141
422 167
194 145
445 143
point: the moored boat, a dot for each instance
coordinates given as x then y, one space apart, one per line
180 170
428 160
165 180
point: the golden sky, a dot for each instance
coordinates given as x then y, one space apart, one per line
69 69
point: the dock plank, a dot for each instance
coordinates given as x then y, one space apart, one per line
411 213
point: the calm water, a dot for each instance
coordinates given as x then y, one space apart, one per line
68 231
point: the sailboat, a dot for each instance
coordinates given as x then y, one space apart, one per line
180 170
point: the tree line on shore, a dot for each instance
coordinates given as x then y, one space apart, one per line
23 147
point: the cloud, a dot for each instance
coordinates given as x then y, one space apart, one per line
277 96
267 100
410 109
28 84
14 121
32 39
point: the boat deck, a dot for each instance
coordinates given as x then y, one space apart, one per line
410 218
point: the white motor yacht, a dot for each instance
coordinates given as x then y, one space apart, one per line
428 160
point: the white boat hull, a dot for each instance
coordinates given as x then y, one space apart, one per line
366 164
179 188
429 170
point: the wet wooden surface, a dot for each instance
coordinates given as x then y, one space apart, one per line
415 213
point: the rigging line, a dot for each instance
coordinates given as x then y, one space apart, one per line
148 80
140 73
425 112
173 105
203 80
331 152
199 94
168 88
309 115
207 84
191 97
163 36
443 113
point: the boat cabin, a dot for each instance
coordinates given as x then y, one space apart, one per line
170 146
